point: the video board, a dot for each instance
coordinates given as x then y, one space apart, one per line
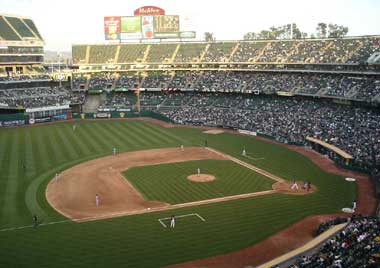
148 22
130 24
130 27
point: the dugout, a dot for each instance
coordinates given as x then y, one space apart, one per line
332 151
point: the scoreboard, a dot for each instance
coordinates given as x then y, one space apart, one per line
147 22
166 24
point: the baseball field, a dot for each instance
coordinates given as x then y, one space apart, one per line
31 156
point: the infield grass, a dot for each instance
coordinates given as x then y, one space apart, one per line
168 182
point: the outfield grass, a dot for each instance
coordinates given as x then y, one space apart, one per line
140 241
168 182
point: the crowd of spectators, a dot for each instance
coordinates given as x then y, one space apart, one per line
156 80
356 246
352 87
354 130
118 101
24 77
79 82
219 52
128 80
34 97
101 82
77 98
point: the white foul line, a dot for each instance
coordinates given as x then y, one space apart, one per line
180 216
30 226
253 158
163 224
199 216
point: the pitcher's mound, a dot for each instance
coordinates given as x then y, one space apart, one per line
285 187
201 177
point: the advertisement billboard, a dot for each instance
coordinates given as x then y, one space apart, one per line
188 34
148 22
166 24
112 28
147 27
166 35
149 11
130 24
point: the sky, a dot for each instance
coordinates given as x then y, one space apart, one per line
63 23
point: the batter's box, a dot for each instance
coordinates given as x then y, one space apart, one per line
165 222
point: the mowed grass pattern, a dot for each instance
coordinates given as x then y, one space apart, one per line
169 183
31 155
140 241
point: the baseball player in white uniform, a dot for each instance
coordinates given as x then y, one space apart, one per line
182 148
114 151
172 222
56 177
199 171
97 199
294 186
354 205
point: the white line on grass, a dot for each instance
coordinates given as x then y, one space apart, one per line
199 216
30 226
163 224
254 158
180 216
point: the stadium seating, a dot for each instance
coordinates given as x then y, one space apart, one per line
286 119
20 27
190 52
219 52
151 99
161 52
131 53
183 80
357 246
128 81
34 97
79 81
101 82
276 51
102 54
248 51
351 87
305 51
79 54
118 101
156 80
33 27
7 32
176 99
